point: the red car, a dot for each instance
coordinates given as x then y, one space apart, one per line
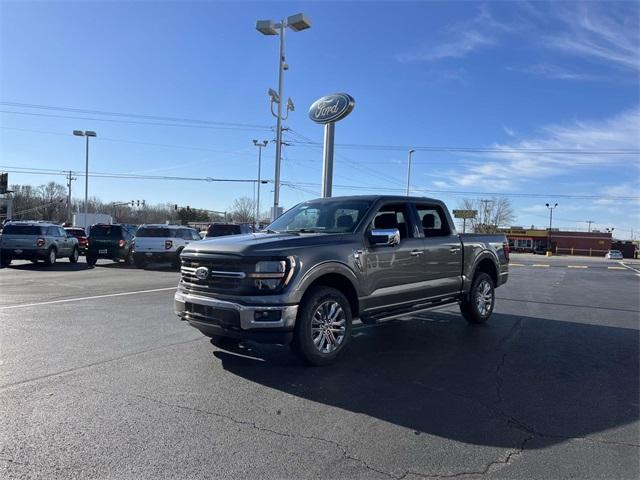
81 235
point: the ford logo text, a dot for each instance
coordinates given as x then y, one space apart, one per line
331 108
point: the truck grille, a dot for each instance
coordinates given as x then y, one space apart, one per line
225 274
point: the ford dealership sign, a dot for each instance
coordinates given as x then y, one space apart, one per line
331 108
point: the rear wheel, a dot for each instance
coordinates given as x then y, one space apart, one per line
50 259
74 256
91 259
323 326
129 260
176 263
478 306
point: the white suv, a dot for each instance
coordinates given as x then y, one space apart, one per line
162 243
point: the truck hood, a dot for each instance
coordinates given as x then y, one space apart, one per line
256 244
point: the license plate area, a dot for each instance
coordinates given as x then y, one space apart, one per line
102 251
17 250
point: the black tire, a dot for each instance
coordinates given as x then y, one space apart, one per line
177 263
51 257
90 259
129 260
75 255
472 308
318 312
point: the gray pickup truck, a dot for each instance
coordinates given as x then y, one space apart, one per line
325 262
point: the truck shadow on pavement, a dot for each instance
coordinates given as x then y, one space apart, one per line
56 267
499 384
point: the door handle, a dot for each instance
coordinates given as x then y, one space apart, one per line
454 249
416 253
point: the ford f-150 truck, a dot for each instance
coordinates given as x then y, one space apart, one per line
324 262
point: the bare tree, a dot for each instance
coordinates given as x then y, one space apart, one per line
243 210
493 213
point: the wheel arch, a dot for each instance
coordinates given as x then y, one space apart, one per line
334 275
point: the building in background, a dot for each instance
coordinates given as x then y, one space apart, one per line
538 240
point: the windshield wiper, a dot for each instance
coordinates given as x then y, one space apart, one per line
304 230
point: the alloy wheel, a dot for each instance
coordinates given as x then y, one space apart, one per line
328 326
484 297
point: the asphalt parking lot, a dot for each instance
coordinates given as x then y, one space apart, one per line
100 380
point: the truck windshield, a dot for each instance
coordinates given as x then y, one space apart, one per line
322 217
155 232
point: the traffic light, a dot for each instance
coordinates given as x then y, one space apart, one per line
175 206
4 182
188 208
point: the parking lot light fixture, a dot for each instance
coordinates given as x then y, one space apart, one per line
260 146
550 224
409 170
296 23
86 134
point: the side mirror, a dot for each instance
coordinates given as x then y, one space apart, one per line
384 236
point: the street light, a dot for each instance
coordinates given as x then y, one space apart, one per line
269 27
87 134
550 223
409 170
260 146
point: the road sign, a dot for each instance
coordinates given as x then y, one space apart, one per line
465 213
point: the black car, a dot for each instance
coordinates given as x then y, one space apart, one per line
112 241
223 229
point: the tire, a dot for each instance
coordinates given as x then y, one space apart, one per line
324 314
51 257
90 259
177 263
478 306
140 263
129 260
75 255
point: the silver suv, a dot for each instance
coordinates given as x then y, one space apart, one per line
37 241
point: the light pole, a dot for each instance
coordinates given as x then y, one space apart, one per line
268 27
87 134
409 170
550 223
260 146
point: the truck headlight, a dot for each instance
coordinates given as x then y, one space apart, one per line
271 274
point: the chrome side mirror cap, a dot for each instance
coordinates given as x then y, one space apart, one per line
385 236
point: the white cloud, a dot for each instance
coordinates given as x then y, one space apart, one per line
509 131
460 39
608 32
546 156
555 72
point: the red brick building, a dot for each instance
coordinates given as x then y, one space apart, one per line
595 244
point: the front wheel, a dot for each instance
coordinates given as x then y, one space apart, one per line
478 306
323 326
74 256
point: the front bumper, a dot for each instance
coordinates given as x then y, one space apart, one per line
218 317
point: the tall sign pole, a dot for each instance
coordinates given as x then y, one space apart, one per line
328 110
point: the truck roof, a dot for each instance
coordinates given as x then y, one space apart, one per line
375 198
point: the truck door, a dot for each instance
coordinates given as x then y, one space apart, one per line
394 274
443 250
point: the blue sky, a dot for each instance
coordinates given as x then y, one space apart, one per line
503 76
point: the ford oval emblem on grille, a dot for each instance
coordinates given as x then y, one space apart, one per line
202 273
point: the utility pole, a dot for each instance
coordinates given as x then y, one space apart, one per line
409 170
550 224
589 222
485 211
70 178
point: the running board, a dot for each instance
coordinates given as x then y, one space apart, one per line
416 308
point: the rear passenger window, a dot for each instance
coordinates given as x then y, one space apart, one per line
433 221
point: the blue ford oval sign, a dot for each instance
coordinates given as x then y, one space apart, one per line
331 108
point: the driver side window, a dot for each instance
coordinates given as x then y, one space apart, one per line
393 216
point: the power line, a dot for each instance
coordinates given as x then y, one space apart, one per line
131 115
136 122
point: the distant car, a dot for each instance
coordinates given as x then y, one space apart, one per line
162 243
203 233
223 229
614 255
37 241
539 250
81 235
113 241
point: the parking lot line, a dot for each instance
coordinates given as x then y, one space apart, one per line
93 297
616 268
539 265
516 264
630 268
577 266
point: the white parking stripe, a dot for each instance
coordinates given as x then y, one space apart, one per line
577 266
616 268
539 265
79 299
629 267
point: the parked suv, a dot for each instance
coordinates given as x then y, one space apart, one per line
37 241
113 241
81 235
322 263
223 229
162 243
